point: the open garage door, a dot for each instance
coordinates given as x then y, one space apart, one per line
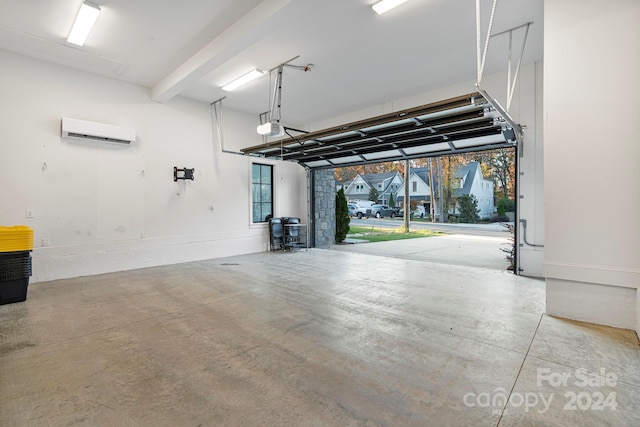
468 123
471 122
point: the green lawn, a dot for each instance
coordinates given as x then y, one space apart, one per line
379 234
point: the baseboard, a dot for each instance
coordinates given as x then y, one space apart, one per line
592 302
604 275
65 262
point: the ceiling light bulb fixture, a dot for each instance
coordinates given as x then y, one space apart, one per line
386 5
243 80
84 22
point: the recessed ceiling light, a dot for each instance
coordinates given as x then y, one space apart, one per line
386 5
243 80
84 22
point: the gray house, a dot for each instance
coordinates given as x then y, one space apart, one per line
385 184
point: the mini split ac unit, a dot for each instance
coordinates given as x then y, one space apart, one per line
81 129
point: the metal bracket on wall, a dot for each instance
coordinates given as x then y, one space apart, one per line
186 174
517 129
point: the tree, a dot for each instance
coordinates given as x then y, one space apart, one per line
392 203
444 177
503 165
348 173
468 207
499 165
342 216
373 195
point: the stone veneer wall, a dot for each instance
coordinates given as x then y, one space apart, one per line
324 194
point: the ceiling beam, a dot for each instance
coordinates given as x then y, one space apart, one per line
256 24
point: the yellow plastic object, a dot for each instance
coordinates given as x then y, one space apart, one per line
16 238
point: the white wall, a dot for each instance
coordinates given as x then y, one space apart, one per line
592 202
526 109
104 207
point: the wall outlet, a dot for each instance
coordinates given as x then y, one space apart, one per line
29 213
45 243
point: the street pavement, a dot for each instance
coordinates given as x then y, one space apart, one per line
472 245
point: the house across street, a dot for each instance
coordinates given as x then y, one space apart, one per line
387 186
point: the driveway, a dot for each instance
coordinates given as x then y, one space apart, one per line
472 245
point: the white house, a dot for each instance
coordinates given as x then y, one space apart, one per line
471 182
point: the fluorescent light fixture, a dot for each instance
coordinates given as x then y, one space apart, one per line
386 5
84 22
243 80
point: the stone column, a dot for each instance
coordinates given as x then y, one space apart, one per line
324 206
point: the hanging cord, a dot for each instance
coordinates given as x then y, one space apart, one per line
481 63
478 41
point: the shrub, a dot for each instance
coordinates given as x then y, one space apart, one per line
342 216
468 206
507 204
511 250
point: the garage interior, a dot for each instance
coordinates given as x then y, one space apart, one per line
314 337
156 302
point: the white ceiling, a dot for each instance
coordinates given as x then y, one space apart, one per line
192 47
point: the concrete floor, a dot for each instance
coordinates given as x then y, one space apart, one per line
311 338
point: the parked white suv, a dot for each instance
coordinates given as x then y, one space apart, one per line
357 211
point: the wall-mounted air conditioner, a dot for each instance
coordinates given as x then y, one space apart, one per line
81 129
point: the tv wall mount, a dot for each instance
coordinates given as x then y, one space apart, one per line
183 173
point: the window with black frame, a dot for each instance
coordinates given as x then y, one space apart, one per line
261 192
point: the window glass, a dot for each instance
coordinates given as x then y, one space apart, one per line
255 173
261 192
